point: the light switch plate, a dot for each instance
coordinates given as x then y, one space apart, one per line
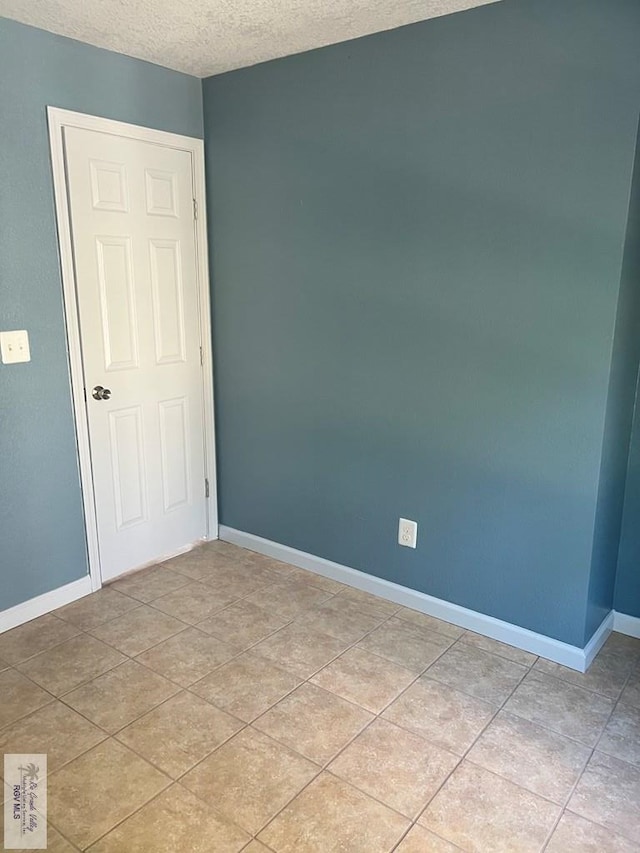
14 346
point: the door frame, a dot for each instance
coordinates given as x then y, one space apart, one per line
58 119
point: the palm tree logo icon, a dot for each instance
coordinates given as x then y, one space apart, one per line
30 771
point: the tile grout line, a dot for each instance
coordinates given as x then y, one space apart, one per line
562 807
172 782
586 765
377 716
250 649
540 673
243 727
463 757
186 625
323 768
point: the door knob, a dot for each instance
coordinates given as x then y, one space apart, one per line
100 393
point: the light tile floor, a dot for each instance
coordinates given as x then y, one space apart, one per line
225 702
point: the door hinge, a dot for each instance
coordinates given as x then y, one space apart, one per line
201 358
195 209
206 487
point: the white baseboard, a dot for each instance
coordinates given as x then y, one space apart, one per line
625 624
598 640
45 603
539 644
48 601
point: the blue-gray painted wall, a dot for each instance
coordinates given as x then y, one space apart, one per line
627 591
416 249
42 542
618 423
402 232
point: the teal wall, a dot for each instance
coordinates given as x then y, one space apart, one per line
42 544
618 424
416 248
627 591
417 245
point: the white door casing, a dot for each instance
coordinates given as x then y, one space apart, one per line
137 309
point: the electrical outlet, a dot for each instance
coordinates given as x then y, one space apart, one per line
14 347
407 533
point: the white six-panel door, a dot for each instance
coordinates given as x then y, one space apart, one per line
132 223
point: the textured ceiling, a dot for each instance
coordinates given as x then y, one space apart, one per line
204 37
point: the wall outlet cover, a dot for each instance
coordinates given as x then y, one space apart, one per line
407 533
14 346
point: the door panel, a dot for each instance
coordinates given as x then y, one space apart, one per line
134 249
168 300
117 303
162 193
108 186
128 466
175 450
